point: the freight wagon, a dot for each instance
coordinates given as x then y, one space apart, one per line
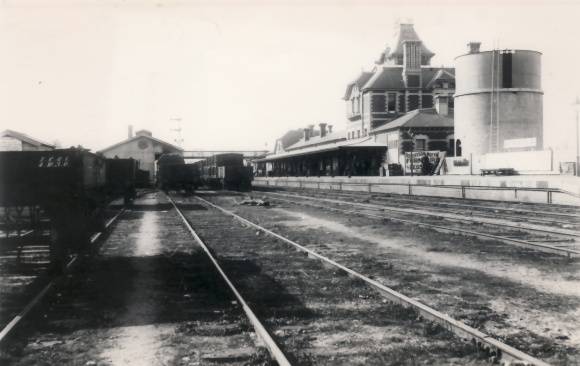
70 185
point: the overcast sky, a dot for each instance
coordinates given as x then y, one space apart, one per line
239 74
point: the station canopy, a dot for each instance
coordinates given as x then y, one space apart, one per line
365 143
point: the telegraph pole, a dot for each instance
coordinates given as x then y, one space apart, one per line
576 109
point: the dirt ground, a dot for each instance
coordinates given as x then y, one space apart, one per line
149 298
529 300
318 315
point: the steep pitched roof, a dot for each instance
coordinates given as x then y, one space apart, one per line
444 73
407 33
24 137
427 117
391 77
170 146
360 81
386 78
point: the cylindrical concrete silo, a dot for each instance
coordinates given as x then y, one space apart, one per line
498 101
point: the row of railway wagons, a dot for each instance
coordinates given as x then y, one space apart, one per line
71 186
220 171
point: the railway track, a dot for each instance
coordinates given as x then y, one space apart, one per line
540 238
37 257
204 230
561 216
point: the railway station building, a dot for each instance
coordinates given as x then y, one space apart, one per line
402 105
142 147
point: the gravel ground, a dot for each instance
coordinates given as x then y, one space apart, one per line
149 298
319 315
530 300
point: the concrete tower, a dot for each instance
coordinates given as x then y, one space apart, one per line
498 101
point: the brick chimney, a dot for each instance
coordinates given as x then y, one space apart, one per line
322 129
329 129
473 47
306 134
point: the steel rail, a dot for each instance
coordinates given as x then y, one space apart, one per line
273 348
454 217
454 326
451 205
46 289
570 253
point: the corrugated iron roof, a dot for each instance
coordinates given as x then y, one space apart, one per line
316 140
427 117
24 137
330 146
177 148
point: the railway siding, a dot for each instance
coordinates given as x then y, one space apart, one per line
538 322
150 297
317 315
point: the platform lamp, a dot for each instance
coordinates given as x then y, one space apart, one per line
577 109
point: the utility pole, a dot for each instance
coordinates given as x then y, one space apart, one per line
577 110
179 139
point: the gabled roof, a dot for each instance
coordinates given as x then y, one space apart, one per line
134 138
391 77
360 81
317 140
442 74
407 33
427 117
24 137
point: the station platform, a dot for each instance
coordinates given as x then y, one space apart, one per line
552 189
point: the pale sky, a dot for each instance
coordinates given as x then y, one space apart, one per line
241 73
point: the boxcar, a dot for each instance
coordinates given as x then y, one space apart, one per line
174 174
69 184
122 178
226 171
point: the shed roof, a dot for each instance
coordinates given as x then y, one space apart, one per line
317 140
134 138
24 137
365 142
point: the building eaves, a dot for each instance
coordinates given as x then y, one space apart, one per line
140 137
427 117
317 140
24 137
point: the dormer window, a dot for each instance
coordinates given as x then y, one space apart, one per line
445 85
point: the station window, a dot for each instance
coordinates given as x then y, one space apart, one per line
392 103
358 133
378 103
413 102
427 101
402 103
420 144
